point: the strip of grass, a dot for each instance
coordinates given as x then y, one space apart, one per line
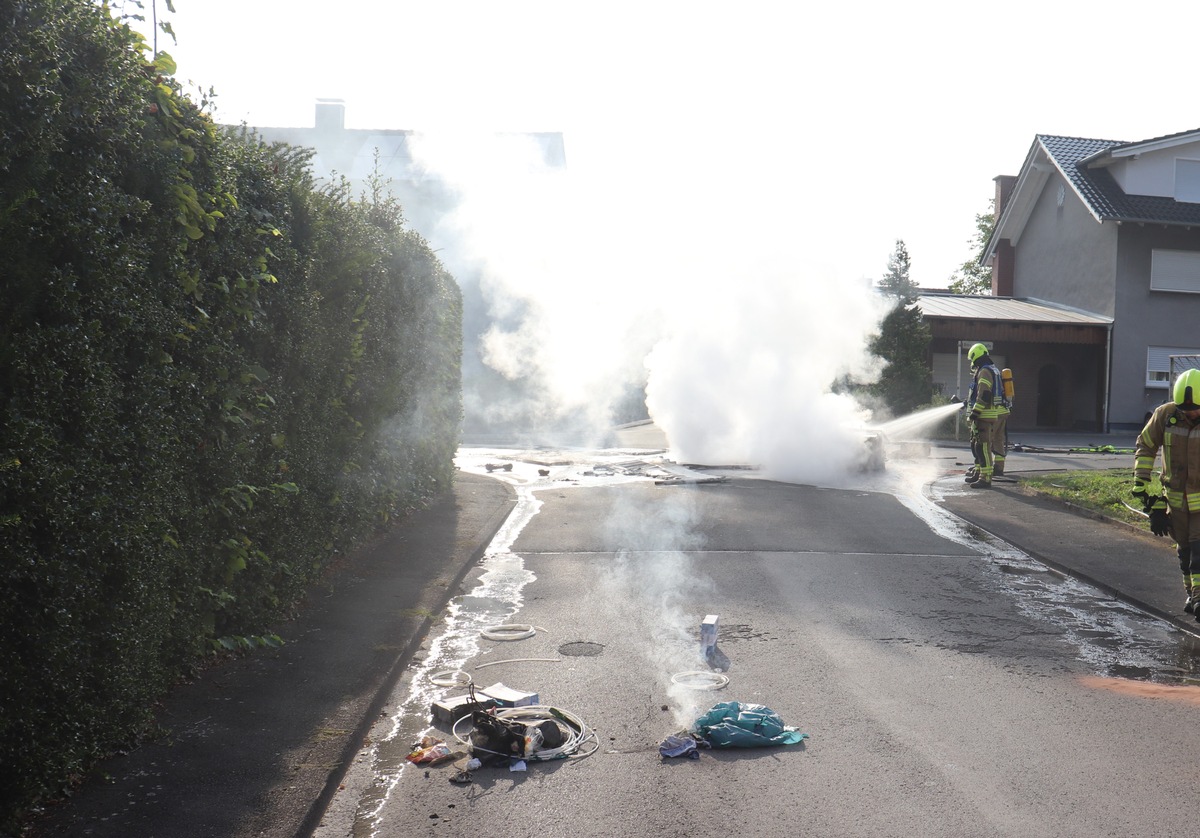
1101 491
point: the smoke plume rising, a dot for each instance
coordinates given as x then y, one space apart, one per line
655 587
592 285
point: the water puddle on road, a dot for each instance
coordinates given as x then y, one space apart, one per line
494 600
1116 640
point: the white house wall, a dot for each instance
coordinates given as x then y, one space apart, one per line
1065 254
1153 172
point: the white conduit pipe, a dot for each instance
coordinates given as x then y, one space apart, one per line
518 660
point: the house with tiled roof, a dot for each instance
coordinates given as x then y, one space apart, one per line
1095 260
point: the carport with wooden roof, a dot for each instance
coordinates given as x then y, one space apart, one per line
1059 356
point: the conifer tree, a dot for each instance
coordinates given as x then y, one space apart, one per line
906 382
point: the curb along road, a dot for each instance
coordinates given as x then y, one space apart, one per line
258 746
1115 557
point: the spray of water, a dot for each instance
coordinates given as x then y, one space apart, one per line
916 424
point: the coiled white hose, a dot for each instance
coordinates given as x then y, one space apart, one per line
698 679
579 734
509 631
450 678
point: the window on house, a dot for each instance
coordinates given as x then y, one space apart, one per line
1175 270
1158 363
1187 181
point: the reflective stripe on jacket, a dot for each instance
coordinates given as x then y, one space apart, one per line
987 380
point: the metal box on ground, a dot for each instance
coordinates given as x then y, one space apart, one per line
450 710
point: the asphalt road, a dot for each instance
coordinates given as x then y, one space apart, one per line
951 683
965 664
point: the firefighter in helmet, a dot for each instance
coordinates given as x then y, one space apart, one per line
985 408
1174 428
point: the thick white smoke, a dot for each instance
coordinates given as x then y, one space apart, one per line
596 282
558 320
745 374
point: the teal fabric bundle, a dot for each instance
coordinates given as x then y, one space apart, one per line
732 724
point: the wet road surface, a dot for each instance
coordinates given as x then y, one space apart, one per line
951 685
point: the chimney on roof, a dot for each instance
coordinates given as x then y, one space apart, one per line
1004 188
331 115
1003 268
1003 258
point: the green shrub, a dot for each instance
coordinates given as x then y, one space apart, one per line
214 376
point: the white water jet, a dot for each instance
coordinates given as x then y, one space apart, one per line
920 421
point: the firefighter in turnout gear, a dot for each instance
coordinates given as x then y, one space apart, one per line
986 399
1174 428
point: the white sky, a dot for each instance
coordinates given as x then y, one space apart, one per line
840 129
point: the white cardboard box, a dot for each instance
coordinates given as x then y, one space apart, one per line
708 633
508 697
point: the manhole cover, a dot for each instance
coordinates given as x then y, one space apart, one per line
581 649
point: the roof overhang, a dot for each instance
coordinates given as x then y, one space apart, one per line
1109 156
1032 179
1011 320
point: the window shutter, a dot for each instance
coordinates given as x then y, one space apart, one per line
1175 270
1158 363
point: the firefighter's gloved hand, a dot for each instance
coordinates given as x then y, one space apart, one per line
1160 522
1140 494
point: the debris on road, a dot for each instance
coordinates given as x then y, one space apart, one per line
699 679
708 634
432 751
450 710
518 660
508 697
509 631
732 724
450 678
532 733
681 745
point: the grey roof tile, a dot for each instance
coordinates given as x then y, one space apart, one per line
1101 192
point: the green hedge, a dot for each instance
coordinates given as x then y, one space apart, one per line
214 377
